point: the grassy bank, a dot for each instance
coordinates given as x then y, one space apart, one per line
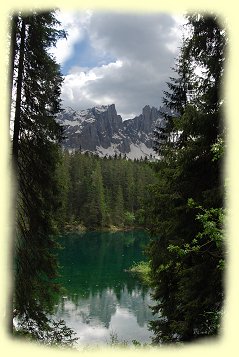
142 269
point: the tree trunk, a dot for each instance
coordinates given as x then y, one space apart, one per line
16 125
13 49
17 119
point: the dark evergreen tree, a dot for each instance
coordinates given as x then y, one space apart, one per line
36 82
118 210
129 187
96 207
64 183
185 259
174 104
101 192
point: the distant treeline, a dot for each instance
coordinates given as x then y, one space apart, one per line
101 192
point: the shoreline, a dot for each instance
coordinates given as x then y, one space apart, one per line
112 229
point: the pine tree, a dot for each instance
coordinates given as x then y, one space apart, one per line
118 210
185 260
101 192
128 185
62 172
167 134
96 207
36 82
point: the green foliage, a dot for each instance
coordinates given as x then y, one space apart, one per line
105 192
218 149
129 218
118 210
35 85
212 232
116 342
96 208
35 262
50 333
185 210
143 270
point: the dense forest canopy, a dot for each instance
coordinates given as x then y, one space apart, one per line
179 199
106 192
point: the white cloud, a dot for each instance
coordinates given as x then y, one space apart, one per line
77 89
75 25
144 48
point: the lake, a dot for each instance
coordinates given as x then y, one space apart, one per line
101 298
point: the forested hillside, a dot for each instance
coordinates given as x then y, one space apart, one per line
100 193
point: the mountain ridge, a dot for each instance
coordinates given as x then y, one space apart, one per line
102 131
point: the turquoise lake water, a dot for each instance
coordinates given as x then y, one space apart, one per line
101 298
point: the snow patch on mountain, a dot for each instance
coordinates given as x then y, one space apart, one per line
101 130
140 152
70 122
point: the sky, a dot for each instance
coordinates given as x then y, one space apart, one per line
120 58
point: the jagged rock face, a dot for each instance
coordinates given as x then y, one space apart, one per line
140 128
101 130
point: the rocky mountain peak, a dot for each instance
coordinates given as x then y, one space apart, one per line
101 130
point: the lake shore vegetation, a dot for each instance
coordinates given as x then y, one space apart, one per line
142 269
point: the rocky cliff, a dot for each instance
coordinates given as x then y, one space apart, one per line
101 130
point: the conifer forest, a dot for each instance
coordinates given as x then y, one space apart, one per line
163 216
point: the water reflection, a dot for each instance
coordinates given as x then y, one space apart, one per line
101 296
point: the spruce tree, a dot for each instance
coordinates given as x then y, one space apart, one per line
96 206
36 82
118 210
185 259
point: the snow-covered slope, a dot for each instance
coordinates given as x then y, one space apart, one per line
101 130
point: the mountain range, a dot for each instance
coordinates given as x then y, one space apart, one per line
102 131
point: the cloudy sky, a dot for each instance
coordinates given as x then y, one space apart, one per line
118 58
